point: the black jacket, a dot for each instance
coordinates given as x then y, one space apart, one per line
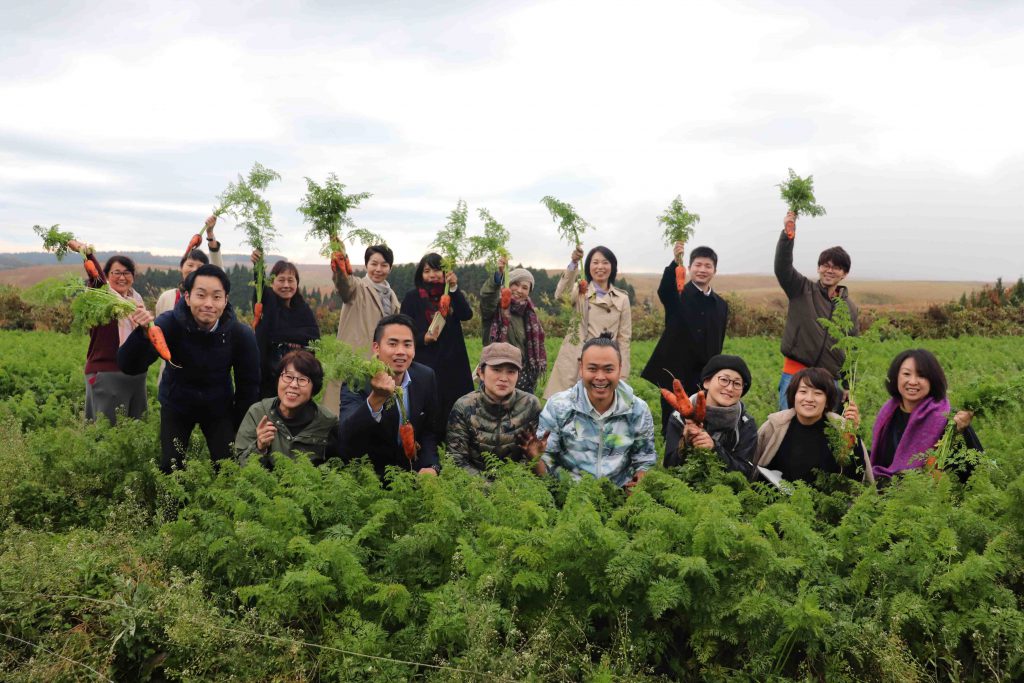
736 447
447 356
694 332
361 435
280 326
203 382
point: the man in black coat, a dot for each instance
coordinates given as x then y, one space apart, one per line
370 419
695 322
208 342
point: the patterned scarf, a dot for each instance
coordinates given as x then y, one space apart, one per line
431 295
536 355
383 290
925 427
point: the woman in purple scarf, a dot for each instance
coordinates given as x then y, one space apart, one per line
913 420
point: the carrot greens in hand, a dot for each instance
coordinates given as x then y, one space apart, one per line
490 246
326 208
678 224
452 244
54 240
799 195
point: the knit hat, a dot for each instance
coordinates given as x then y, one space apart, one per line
725 362
521 274
500 353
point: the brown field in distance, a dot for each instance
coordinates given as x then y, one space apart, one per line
755 289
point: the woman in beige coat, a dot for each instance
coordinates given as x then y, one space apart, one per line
603 307
365 300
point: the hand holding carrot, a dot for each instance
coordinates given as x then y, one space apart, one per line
265 433
75 245
210 222
634 481
577 254
502 262
141 316
852 413
963 419
255 256
677 249
382 388
452 279
790 224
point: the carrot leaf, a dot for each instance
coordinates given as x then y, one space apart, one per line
570 225
678 222
799 195
54 240
489 246
326 208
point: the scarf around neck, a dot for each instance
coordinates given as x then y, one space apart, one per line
383 291
925 427
431 293
535 355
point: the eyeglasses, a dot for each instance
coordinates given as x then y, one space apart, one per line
122 273
830 266
725 382
298 379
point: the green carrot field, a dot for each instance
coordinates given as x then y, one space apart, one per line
112 571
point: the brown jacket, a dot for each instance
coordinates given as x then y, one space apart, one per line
804 339
599 314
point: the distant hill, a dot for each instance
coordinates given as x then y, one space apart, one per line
41 258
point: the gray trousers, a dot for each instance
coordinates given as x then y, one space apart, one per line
105 392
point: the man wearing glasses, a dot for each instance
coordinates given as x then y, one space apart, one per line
804 341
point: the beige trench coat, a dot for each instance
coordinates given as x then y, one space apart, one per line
609 313
360 313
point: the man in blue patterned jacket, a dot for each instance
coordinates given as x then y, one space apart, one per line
599 426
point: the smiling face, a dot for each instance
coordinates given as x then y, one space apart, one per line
120 278
188 266
377 269
520 290
285 284
702 270
432 275
830 274
294 390
600 268
207 300
396 348
600 369
809 403
499 380
913 388
724 389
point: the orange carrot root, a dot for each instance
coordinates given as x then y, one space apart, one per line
680 278
700 408
444 306
685 407
156 338
670 399
405 432
257 311
790 229
506 297
92 270
193 243
583 286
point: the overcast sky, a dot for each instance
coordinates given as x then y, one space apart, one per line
122 122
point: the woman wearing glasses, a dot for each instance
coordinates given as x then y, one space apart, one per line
107 389
290 422
728 428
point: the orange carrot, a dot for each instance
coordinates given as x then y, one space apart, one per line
685 407
91 269
506 297
444 306
700 408
156 338
196 240
670 399
583 286
408 438
790 229
680 278
257 311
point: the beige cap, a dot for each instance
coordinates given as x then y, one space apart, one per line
499 353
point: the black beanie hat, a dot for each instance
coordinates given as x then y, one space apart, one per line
724 362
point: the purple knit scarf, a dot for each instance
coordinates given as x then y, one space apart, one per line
925 427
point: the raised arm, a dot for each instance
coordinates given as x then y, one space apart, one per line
790 280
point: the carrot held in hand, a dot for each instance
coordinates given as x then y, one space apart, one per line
196 240
670 399
685 407
91 270
156 338
680 277
700 409
506 297
408 437
444 306
257 312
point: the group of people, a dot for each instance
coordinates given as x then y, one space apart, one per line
253 393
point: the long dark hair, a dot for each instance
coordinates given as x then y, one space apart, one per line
927 366
433 260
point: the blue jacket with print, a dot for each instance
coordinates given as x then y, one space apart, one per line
616 446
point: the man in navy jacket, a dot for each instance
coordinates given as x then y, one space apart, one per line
369 420
208 342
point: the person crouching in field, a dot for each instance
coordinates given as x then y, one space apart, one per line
287 324
728 428
518 324
695 322
598 426
794 442
210 344
914 418
107 388
370 420
364 301
290 422
497 418
189 262
804 341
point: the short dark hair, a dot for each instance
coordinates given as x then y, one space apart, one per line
195 255
128 264
283 266
704 252
603 340
207 270
837 256
433 260
305 362
607 253
927 366
819 378
393 319
382 249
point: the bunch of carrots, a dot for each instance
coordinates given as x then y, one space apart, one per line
695 410
678 223
451 243
326 208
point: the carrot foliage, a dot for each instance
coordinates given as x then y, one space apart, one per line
678 222
54 240
570 225
489 246
326 208
342 363
799 195
90 306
